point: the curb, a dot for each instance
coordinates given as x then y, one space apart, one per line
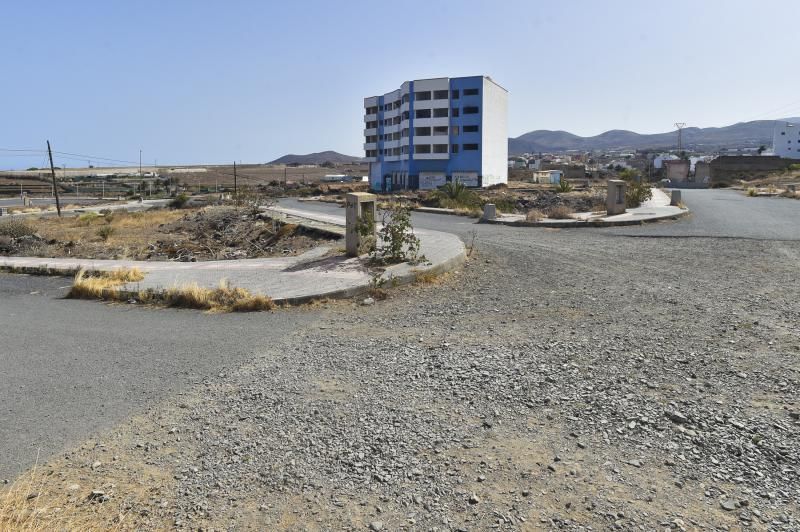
588 223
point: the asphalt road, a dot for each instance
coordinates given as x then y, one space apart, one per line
71 368
714 213
74 368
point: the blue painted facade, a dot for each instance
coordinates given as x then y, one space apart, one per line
384 175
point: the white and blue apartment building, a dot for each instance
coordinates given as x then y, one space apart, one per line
433 131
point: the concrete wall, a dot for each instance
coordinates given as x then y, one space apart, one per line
727 168
494 135
676 170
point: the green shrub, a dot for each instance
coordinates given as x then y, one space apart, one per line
564 186
179 201
455 196
637 193
88 217
105 232
397 241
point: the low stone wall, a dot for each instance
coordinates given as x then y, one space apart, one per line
728 168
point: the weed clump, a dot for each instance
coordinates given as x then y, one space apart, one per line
560 212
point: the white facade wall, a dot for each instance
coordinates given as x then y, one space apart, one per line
494 134
786 140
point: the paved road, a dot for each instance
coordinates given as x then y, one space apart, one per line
74 368
715 213
71 368
16 202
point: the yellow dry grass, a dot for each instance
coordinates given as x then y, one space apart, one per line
223 298
28 506
128 229
102 285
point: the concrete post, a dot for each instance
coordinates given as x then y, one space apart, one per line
675 198
615 198
26 200
359 209
489 211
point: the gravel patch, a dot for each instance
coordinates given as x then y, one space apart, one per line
562 380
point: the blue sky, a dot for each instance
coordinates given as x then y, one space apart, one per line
213 82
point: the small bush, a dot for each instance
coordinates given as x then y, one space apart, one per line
752 191
179 201
87 218
398 243
105 232
534 215
560 212
16 228
455 195
564 186
637 193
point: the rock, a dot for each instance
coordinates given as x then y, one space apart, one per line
376 526
473 499
97 464
73 487
728 505
676 417
98 495
368 301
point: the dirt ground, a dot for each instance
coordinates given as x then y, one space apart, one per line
209 233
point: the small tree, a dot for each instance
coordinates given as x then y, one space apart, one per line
397 241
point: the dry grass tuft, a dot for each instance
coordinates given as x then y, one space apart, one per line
27 506
560 212
223 298
534 215
102 285
426 277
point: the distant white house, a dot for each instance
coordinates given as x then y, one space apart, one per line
534 164
658 161
552 177
786 140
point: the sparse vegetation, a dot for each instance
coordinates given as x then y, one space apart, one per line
397 241
534 215
105 232
16 228
456 195
752 191
636 193
564 186
223 298
27 505
560 212
88 217
179 201
102 285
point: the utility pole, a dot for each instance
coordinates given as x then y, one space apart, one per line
284 176
235 190
140 162
680 126
53 174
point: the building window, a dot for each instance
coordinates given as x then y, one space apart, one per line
372 125
440 113
406 98
406 115
454 148
404 150
422 148
422 113
440 148
454 94
470 147
472 110
422 131
454 130
440 130
454 112
423 95
470 129
470 92
404 133
440 95
783 132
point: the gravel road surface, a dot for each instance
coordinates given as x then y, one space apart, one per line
563 379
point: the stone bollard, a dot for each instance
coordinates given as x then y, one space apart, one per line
615 198
26 200
359 213
675 198
489 211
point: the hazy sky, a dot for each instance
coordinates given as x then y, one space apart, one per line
203 82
